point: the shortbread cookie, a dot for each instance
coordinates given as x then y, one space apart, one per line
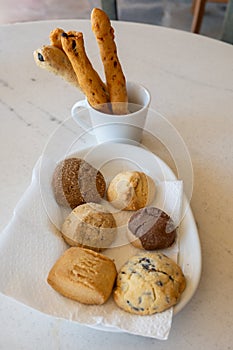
90 226
76 182
89 80
83 275
149 283
115 78
55 37
130 190
55 60
151 228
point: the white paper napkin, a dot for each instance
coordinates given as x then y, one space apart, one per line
30 245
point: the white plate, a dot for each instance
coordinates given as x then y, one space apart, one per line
29 237
134 157
112 158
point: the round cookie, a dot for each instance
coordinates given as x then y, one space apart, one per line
149 283
90 226
130 190
151 228
76 182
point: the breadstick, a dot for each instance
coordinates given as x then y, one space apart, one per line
89 80
55 37
101 26
55 60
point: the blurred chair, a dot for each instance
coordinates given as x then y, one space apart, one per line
110 7
227 34
198 9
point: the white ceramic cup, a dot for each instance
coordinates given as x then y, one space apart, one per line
125 128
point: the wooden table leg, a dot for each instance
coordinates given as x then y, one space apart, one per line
199 10
193 6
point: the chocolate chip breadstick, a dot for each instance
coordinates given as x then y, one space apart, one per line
55 60
115 79
55 37
89 80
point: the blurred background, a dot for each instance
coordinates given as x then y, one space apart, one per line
169 13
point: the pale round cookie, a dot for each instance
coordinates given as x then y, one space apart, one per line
90 226
83 275
151 228
76 182
130 190
149 283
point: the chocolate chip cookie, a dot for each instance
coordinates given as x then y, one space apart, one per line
149 283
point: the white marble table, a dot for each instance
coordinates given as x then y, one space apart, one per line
191 81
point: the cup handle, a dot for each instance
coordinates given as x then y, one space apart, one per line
78 117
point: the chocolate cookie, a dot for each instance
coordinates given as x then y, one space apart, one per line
151 228
76 182
149 283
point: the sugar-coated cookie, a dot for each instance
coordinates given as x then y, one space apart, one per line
151 228
130 190
90 226
83 275
115 78
76 182
149 283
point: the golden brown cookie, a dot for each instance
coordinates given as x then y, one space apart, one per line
55 37
149 283
76 182
89 80
55 60
89 226
83 275
151 228
115 78
130 190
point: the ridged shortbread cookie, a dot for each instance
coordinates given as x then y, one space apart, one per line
130 190
90 226
83 275
149 283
